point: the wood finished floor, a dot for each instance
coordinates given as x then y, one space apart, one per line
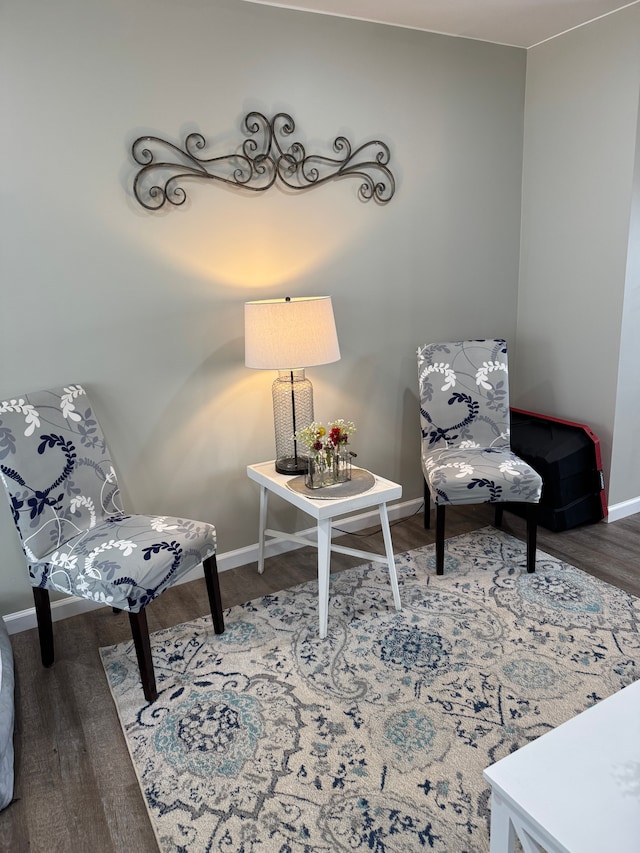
76 789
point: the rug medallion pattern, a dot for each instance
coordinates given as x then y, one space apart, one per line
267 738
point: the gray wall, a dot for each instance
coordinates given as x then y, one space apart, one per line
147 309
578 347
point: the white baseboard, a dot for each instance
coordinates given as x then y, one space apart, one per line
23 620
623 510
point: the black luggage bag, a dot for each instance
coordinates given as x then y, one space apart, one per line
567 457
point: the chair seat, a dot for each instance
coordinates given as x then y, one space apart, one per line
126 561
472 475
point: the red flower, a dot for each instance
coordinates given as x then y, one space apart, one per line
336 436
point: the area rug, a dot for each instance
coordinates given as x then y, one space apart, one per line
267 738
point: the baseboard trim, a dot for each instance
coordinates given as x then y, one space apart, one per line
623 509
24 620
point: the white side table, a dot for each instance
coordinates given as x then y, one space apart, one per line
576 789
324 511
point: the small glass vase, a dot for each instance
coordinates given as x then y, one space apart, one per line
318 472
342 464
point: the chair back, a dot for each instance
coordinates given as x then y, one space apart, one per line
55 467
464 394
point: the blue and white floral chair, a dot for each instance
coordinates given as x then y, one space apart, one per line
62 489
466 454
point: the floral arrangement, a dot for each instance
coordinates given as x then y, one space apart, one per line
321 439
329 459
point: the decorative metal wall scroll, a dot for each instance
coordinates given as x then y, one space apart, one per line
261 161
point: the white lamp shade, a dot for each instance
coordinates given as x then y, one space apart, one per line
289 334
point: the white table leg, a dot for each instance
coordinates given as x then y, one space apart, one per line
324 571
503 836
393 576
264 495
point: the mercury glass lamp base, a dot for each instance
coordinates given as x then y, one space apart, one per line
292 465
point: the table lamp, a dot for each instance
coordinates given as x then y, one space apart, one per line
288 335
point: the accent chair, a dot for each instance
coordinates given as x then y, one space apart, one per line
466 455
64 498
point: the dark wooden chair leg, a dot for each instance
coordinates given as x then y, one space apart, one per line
45 625
427 507
140 632
210 567
499 515
440 539
532 530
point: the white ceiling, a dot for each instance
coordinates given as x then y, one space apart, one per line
521 23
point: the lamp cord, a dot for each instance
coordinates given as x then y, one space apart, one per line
379 529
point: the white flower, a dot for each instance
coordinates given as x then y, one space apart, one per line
81 500
464 468
127 547
123 545
31 415
510 467
488 367
64 561
81 584
92 572
447 372
95 595
103 597
501 439
66 402
158 524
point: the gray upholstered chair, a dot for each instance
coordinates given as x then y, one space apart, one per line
64 497
466 455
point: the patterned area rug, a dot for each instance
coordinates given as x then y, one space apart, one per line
269 739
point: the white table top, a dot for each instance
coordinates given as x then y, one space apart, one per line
581 781
381 492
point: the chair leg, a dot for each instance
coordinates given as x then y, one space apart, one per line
532 530
45 625
499 515
427 507
210 567
140 632
440 539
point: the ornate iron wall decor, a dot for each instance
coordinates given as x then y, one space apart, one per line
261 161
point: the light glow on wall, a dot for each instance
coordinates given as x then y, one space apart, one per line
250 242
